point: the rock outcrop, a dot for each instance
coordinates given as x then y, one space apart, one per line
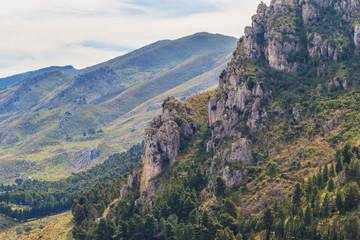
232 178
357 35
241 152
164 138
275 36
132 180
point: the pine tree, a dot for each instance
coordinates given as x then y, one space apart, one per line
339 201
325 210
339 165
331 185
149 227
308 216
346 153
268 221
352 196
297 197
325 174
220 187
308 189
352 228
169 231
332 171
319 178
225 234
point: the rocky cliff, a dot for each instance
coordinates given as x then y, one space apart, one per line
288 29
164 138
286 34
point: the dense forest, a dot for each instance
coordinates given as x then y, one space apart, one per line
33 199
332 192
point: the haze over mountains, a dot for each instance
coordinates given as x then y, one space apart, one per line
58 120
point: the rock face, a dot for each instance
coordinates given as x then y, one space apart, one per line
275 34
357 35
132 180
241 152
281 34
232 178
163 139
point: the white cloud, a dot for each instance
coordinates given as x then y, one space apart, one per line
41 33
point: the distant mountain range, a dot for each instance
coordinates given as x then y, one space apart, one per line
59 120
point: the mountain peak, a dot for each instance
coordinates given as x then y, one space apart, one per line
287 32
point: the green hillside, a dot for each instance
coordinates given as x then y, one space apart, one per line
56 122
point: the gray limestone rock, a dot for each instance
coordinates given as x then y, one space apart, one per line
232 178
297 113
330 125
309 12
278 52
132 180
162 139
241 152
357 35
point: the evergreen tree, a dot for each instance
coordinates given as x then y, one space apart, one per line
220 187
105 230
339 165
339 201
331 185
308 216
352 228
308 189
325 207
319 178
325 174
268 221
346 153
352 196
149 227
225 234
78 213
297 197
332 171
169 231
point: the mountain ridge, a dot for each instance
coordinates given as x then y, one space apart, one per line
45 125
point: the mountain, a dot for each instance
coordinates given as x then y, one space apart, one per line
12 80
58 120
272 153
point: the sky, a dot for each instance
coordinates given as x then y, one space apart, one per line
81 33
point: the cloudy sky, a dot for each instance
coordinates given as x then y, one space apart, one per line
41 33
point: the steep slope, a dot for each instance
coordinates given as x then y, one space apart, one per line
272 153
52 124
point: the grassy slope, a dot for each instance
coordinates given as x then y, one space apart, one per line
54 227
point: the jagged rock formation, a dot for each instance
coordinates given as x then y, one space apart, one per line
285 35
164 138
240 152
232 177
274 32
275 35
132 180
357 35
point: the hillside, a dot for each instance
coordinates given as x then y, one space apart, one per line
57 121
272 153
